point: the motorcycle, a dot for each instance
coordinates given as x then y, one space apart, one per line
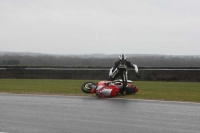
108 89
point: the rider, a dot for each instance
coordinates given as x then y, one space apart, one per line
119 68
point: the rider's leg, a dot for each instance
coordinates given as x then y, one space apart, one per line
124 79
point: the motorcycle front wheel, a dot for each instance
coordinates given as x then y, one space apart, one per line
86 87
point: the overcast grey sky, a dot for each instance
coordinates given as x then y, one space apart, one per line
170 27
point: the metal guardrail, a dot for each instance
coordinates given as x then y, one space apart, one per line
80 72
92 68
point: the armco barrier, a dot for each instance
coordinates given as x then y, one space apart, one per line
100 73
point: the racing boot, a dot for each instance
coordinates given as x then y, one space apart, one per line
123 90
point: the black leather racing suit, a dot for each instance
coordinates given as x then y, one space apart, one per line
120 69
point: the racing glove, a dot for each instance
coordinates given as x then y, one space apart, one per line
138 75
109 78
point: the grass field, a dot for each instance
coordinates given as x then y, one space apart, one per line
170 91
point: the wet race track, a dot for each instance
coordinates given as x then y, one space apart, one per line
66 114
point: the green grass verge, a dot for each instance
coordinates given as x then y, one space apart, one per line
170 91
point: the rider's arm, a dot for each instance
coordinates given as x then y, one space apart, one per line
114 67
134 66
129 64
136 70
111 70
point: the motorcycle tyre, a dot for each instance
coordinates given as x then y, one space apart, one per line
130 90
84 87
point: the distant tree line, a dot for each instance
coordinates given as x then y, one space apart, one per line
10 62
97 60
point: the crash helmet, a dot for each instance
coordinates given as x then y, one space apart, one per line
122 58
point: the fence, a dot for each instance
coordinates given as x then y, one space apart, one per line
100 73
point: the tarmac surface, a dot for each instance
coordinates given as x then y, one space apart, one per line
73 114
